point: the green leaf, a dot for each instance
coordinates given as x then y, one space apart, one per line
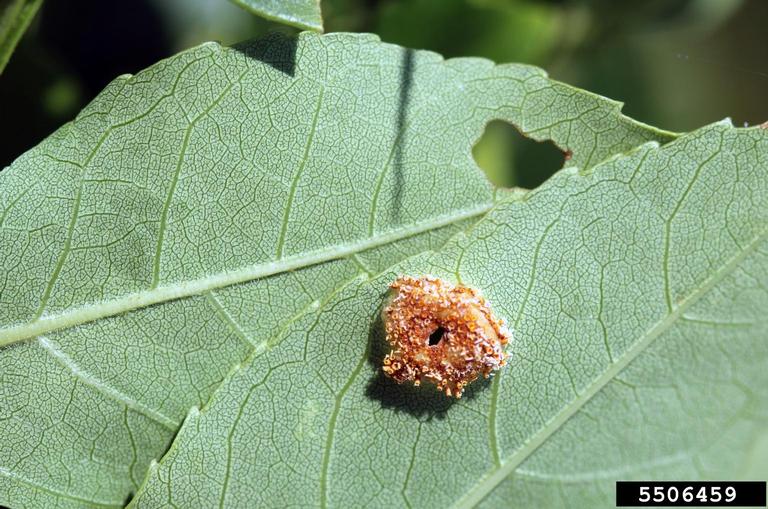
638 294
218 232
15 17
304 14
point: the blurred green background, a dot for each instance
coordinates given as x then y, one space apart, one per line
676 64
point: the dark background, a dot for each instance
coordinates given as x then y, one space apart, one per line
676 64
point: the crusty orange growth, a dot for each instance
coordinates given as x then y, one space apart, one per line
441 333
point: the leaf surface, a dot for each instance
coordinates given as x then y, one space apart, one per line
304 14
15 17
638 297
209 242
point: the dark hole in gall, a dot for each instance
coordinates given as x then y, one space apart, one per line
436 336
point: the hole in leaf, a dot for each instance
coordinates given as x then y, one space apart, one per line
436 336
510 159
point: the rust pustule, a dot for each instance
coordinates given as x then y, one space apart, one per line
441 333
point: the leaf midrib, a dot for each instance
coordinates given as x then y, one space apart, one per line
497 474
182 289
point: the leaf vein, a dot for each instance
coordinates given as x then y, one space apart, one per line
92 381
295 180
229 320
182 289
56 493
174 183
498 474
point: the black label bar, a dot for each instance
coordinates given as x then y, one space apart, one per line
690 494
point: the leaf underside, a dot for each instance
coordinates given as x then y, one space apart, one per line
304 14
192 272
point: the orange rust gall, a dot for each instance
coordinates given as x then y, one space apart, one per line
442 333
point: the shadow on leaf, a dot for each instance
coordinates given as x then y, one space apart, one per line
276 50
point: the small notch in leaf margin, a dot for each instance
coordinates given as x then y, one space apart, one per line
510 159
